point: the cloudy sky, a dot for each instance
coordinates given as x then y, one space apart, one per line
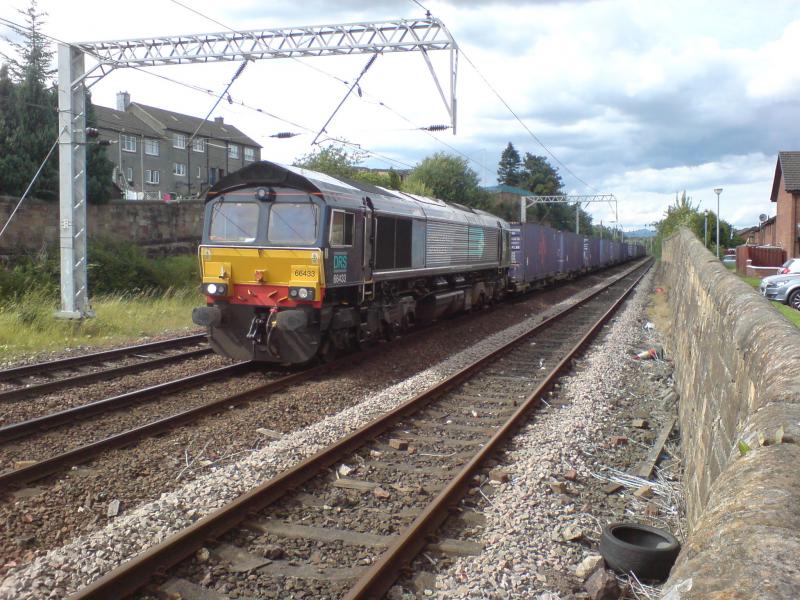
638 99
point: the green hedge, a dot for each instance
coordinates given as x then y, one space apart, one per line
114 268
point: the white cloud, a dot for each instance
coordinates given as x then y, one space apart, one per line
638 99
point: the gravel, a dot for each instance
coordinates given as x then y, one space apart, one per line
527 521
96 552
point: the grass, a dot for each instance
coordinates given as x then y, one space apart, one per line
27 324
787 311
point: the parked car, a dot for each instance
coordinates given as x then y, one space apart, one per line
790 266
782 288
729 260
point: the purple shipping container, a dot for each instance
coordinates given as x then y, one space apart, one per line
571 252
595 257
534 252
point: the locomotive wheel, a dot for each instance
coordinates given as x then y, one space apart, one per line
327 353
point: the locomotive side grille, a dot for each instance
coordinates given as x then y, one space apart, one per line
449 244
446 244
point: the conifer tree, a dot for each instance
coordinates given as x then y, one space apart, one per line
509 170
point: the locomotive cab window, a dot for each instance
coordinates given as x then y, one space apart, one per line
293 223
234 221
342 224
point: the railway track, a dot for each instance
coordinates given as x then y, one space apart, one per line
394 482
46 377
31 471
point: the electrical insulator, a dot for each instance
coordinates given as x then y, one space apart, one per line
92 132
284 134
435 128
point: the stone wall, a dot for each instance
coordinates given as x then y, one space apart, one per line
737 369
159 227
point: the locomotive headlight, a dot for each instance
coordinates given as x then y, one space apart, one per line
215 289
301 293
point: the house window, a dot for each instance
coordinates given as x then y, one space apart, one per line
233 151
128 143
179 169
342 228
179 141
199 172
151 147
152 176
199 145
249 153
129 174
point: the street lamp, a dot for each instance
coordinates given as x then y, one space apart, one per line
717 191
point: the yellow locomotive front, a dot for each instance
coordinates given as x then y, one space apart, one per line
262 273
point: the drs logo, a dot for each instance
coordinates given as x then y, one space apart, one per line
340 262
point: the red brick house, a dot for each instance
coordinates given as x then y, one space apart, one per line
786 193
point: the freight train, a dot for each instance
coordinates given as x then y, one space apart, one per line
296 264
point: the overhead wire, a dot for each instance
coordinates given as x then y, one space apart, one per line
524 125
18 27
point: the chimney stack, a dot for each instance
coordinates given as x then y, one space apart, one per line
218 120
123 101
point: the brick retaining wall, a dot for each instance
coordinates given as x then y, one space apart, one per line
160 227
737 368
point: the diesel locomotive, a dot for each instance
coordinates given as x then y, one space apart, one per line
297 264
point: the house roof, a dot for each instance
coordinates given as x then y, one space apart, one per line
789 167
508 189
122 121
160 119
189 124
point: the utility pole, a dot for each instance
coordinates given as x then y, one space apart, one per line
705 228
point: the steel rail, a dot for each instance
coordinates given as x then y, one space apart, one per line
383 573
135 573
49 386
17 430
73 361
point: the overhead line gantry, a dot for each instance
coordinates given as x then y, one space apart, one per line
403 35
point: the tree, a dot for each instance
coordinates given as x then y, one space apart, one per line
99 168
542 179
539 177
683 213
449 178
31 57
509 170
29 119
333 160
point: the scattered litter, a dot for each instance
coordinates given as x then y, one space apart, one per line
655 353
345 470
113 508
398 444
270 433
649 326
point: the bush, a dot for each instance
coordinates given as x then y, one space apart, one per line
114 268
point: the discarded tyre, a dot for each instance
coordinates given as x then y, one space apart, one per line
646 551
